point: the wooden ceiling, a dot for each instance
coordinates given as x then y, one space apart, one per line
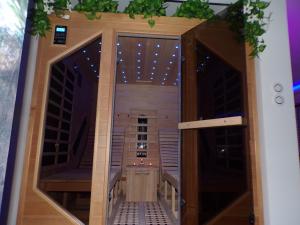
147 60
86 60
140 60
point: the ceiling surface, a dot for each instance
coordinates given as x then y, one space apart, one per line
144 60
140 60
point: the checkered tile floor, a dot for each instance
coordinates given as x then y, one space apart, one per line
156 215
128 213
141 213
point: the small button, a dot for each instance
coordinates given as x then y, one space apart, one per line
278 87
279 100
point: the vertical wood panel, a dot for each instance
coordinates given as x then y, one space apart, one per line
189 154
254 139
100 177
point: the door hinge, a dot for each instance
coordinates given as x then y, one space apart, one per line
251 219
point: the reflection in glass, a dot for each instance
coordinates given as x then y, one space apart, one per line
222 166
222 151
68 144
220 86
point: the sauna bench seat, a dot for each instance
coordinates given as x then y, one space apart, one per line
72 180
75 180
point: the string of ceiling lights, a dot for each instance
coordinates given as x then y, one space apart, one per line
153 73
156 72
86 56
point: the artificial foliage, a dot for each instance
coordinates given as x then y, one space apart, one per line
195 9
40 22
91 7
246 17
148 8
43 8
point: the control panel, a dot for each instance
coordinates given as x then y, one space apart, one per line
60 35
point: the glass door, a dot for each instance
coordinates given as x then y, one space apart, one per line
65 171
216 180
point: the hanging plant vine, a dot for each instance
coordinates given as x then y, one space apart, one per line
246 17
91 8
148 8
195 9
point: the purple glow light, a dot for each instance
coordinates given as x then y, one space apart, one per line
293 7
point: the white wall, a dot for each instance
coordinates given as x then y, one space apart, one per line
280 160
23 129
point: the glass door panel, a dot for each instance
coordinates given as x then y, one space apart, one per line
69 130
215 151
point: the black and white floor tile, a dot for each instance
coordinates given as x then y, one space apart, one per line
141 213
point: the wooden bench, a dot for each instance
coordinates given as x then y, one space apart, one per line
169 156
71 180
75 180
117 149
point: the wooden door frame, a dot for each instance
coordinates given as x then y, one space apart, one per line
35 207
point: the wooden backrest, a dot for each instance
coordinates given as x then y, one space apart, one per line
169 148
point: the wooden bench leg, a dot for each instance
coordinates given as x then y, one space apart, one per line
115 189
166 190
173 201
120 188
111 203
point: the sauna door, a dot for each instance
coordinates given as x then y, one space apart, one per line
216 186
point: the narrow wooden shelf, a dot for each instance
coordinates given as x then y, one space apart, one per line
222 122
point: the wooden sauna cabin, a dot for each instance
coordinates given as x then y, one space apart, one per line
138 125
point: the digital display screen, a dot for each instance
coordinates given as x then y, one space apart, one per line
60 29
60 35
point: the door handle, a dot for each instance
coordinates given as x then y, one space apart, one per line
251 219
182 203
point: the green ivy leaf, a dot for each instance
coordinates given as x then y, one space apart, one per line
261 48
151 22
91 7
195 9
247 31
147 8
262 5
